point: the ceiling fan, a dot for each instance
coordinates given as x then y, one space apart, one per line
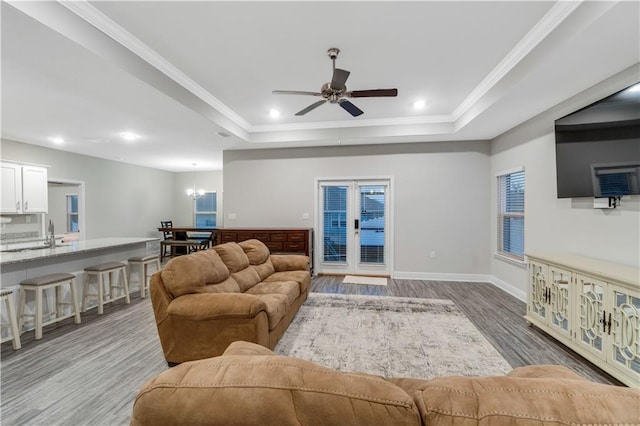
335 92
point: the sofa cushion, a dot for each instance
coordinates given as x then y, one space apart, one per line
246 278
233 256
303 278
190 274
291 289
277 307
525 401
264 270
257 252
269 390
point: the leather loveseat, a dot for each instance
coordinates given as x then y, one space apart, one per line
249 385
234 291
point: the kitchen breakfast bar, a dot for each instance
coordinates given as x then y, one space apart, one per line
24 263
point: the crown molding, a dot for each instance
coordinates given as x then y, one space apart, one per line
554 17
551 20
93 16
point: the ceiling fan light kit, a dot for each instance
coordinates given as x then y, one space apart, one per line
335 92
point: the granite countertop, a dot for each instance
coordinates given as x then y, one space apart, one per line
70 248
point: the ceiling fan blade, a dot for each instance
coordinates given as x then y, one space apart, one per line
311 107
350 108
339 79
295 92
372 93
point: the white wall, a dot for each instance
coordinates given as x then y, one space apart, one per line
555 225
440 193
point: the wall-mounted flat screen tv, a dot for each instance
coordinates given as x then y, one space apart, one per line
598 148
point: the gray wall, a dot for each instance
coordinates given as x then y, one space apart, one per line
440 193
122 200
555 225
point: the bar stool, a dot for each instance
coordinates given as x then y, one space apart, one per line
109 270
12 320
143 263
39 285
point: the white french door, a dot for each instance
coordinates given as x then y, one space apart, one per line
353 229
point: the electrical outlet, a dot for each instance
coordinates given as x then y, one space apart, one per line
432 255
27 219
232 216
305 216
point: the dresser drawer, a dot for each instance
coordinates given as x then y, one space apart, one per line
273 245
262 236
298 236
243 236
278 237
294 245
225 237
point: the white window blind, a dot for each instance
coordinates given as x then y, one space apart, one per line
511 214
205 210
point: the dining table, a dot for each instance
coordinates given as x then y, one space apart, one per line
181 238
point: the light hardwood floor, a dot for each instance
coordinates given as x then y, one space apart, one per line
89 374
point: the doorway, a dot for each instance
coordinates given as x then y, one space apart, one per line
354 226
67 208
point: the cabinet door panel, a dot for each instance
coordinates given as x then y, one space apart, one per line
591 299
560 298
11 189
34 189
538 293
624 351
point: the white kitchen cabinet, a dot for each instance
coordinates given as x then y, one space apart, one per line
24 189
592 307
11 201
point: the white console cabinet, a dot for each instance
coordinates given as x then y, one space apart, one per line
592 307
24 189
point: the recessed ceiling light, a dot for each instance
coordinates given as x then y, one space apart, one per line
129 136
57 140
419 104
274 113
635 88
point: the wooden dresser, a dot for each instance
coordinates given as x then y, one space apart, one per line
279 240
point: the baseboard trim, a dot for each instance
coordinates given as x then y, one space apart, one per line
436 276
471 278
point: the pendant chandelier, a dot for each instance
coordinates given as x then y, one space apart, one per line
191 192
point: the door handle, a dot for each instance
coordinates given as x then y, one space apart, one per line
356 224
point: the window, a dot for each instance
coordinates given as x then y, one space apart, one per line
511 214
72 213
205 208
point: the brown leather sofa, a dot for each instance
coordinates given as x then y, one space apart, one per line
234 291
249 385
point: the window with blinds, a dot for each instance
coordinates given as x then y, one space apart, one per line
511 214
205 210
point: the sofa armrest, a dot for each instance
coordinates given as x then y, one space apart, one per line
290 262
241 347
208 306
528 401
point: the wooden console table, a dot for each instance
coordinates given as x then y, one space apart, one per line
279 240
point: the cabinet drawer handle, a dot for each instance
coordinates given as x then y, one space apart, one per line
26 205
18 205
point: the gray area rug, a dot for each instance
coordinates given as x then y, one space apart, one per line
390 336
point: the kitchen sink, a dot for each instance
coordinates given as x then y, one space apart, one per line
18 250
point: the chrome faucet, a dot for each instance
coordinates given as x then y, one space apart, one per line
52 235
